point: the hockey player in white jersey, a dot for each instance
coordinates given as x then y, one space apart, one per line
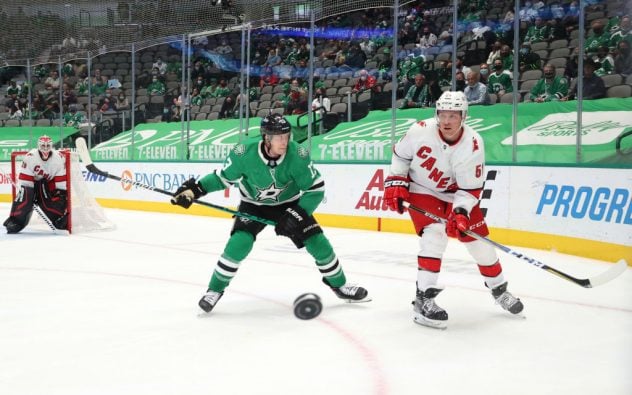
438 165
42 181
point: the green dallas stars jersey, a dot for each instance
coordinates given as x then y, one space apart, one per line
293 177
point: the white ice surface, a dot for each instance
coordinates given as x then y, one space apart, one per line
116 313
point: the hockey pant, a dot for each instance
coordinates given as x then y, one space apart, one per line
433 241
52 203
244 234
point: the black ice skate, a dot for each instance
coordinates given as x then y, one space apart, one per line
350 293
209 300
426 310
506 300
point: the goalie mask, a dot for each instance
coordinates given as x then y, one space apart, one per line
44 146
452 101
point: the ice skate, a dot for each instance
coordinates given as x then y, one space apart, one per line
350 293
506 300
427 312
209 300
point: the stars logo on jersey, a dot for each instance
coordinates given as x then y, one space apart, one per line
302 152
269 193
239 149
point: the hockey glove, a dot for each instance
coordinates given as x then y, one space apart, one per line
290 223
395 192
458 222
189 191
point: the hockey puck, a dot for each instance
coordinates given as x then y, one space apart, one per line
307 306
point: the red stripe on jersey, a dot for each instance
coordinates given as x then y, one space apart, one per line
59 178
474 192
429 264
491 271
26 177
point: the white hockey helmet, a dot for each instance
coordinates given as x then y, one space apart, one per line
45 145
452 101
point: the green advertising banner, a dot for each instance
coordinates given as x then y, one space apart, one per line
25 138
546 135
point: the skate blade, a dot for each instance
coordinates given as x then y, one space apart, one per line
421 320
367 299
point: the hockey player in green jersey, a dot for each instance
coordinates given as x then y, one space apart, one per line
277 181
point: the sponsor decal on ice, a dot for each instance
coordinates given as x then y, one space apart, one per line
560 129
602 204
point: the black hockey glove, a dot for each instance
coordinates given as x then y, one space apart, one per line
189 191
291 223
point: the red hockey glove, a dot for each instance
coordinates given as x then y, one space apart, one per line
395 192
458 222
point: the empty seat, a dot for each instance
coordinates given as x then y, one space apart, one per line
612 80
531 75
620 91
559 53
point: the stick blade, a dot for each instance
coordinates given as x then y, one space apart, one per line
609 274
82 150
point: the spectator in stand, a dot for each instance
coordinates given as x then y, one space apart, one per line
197 70
284 100
13 90
122 103
222 90
16 109
301 70
408 69
494 53
499 82
107 102
527 59
475 91
445 38
570 71
52 82
223 48
506 56
528 13
72 117
97 76
156 87
196 98
268 78
459 81
483 70
598 38
98 89
603 61
557 31
538 32
418 95
444 74
356 57
366 82
621 32
298 99
460 67
550 87
209 90
330 50
228 106
340 59
199 82
68 95
427 39
273 59
321 102
38 106
160 65
593 88
623 60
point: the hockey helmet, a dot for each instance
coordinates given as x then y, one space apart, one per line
452 101
45 145
274 124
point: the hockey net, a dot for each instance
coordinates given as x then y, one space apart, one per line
84 213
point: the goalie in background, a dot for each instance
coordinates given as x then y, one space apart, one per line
438 165
42 181
278 182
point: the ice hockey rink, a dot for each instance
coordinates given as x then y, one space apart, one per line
116 312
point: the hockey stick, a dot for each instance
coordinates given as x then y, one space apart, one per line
599 279
84 154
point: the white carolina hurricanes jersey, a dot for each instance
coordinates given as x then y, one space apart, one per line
34 168
451 172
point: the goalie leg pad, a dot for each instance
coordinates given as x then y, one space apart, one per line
21 210
54 204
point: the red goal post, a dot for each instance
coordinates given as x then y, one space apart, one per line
84 213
